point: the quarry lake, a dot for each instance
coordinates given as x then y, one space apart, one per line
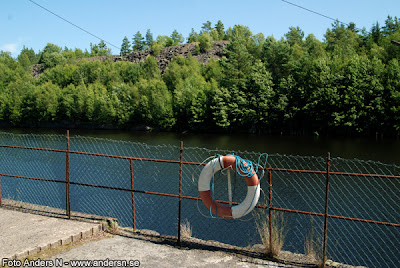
351 242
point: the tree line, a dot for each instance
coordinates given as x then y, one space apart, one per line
349 83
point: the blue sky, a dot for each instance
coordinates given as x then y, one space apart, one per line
22 23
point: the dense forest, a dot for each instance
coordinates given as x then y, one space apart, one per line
347 84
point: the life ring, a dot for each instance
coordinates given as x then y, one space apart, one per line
248 204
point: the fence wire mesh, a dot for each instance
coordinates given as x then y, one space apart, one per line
101 172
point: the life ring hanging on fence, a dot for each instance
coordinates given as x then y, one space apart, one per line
248 204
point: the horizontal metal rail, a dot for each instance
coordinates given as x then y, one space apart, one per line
334 216
198 198
198 163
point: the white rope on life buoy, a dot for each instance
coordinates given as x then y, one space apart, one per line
235 212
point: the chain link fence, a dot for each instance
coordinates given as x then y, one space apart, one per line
139 185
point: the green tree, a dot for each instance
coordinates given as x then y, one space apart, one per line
165 40
79 53
190 102
155 104
237 63
99 49
391 25
219 105
219 27
259 94
341 41
157 47
206 42
129 72
137 42
177 38
392 99
314 47
277 57
180 68
149 40
30 53
206 26
213 71
49 48
126 46
52 59
193 36
151 69
295 36
24 61
376 33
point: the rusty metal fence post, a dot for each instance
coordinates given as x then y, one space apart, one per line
180 193
328 167
270 206
133 197
0 192
68 195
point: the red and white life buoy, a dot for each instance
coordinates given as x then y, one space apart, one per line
248 204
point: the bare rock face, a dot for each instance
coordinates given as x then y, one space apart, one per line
163 59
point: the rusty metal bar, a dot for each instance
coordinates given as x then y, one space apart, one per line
31 178
198 199
328 167
68 194
0 192
337 173
270 206
335 217
198 163
33 148
180 194
133 196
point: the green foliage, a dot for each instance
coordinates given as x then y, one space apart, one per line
238 61
177 38
294 36
138 42
193 37
126 46
347 84
206 42
149 40
219 27
206 26
157 47
53 59
30 54
99 49
165 40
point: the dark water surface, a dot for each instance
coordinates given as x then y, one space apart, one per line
386 150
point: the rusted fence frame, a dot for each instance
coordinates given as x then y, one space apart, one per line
133 196
324 248
198 163
0 193
68 194
180 194
270 206
198 199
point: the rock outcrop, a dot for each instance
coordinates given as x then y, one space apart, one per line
163 59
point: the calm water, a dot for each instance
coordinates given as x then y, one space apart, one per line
386 150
